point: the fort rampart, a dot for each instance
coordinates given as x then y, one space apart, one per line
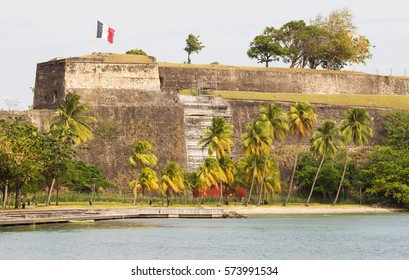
135 99
176 77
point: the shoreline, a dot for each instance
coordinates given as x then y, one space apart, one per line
60 214
316 209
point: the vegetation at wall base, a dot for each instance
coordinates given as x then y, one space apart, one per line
31 163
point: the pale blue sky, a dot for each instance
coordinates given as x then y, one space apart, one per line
37 31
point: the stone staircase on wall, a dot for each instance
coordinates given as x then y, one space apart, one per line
198 114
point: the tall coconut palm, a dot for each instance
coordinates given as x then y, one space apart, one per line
354 130
301 118
257 142
171 180
274 117
141 158
71 122
147 180
270 181
324 142
218 138
208 175
229 169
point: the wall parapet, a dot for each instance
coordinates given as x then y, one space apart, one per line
174 77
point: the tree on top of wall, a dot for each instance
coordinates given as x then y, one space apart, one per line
193 45
136 52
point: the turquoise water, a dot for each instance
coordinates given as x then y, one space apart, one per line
316 237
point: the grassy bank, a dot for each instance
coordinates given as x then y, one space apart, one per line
364 100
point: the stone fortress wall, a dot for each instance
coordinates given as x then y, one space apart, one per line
229 78
134 98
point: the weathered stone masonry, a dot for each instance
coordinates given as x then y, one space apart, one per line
139 100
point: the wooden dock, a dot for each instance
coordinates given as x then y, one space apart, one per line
44 216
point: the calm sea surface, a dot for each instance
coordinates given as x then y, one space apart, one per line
322 237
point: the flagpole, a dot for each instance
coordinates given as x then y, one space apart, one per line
95 26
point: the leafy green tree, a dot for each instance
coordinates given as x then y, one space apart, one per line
315 42
395 129
324 142
257 143
193 45
387 175
71 122
136 52
343 47
355 130
329 41
22 155
264 49
82 177
288 38
171 180
301 118
331 171
54 155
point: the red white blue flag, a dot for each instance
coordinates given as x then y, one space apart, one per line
105 32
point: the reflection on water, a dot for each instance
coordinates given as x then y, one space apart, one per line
259 237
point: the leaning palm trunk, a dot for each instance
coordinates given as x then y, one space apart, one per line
315 179
291 180
252 181
57 194
50 191
262 183
6 187
342 179
135 195
17 199
221 194
200 198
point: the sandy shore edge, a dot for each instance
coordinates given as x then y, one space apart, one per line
298 210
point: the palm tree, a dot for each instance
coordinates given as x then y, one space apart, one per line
171 180
147 180
218 138
208 175
274 117
270 181
71 123
301 118
141 158
324 142
256 142
229 169
354 128
142 155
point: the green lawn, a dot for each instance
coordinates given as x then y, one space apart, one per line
386 101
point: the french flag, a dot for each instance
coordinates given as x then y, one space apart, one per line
106 33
